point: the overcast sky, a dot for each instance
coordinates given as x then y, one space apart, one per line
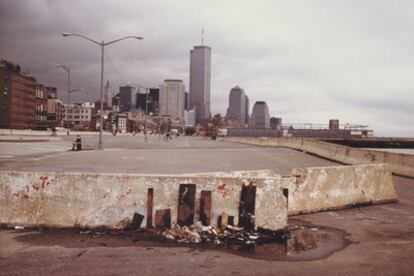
309 60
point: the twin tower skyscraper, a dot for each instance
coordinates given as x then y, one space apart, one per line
200 81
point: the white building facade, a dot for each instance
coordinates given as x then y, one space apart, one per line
78 113
172 98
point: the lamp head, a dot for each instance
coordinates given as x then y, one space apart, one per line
139 37
66 34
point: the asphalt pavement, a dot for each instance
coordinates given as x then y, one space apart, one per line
381 237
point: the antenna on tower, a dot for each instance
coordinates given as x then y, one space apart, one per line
202 37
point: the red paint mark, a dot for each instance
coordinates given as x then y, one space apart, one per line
44 181
25 196
221 186
35 187
221 189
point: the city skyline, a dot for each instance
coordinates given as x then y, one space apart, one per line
311 62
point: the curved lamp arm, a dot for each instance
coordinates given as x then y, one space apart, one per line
82 36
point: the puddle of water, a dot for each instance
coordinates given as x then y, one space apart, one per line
303 242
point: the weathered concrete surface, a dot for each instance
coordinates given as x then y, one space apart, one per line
242 174
110 200
402 164
327 188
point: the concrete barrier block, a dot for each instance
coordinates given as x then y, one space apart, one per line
325 188
111 200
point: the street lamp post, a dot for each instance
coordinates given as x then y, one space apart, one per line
69 91
102 44
146 115
67 69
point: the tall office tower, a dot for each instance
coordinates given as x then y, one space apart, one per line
108 95
247 109
172 98
260 116
200 79
187 101
238 105
125 98
141 101
116 102
154 101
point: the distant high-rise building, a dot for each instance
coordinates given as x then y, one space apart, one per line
148 103
154 101
141 99
247 109
260 116
125 98
172 98
108 95
116 103
200 80
276 123
187 101
238 106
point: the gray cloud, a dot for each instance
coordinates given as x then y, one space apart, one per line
310 60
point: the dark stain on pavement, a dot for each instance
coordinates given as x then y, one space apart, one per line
307 242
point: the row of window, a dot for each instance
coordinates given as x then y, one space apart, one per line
77 111
40 118
40 94
41 108
78 117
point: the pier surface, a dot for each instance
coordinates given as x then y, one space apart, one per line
381 237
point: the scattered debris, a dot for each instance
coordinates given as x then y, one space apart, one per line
136 221
163 218
18 227
228 234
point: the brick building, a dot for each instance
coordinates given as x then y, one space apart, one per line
17 99
54 113
42 95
